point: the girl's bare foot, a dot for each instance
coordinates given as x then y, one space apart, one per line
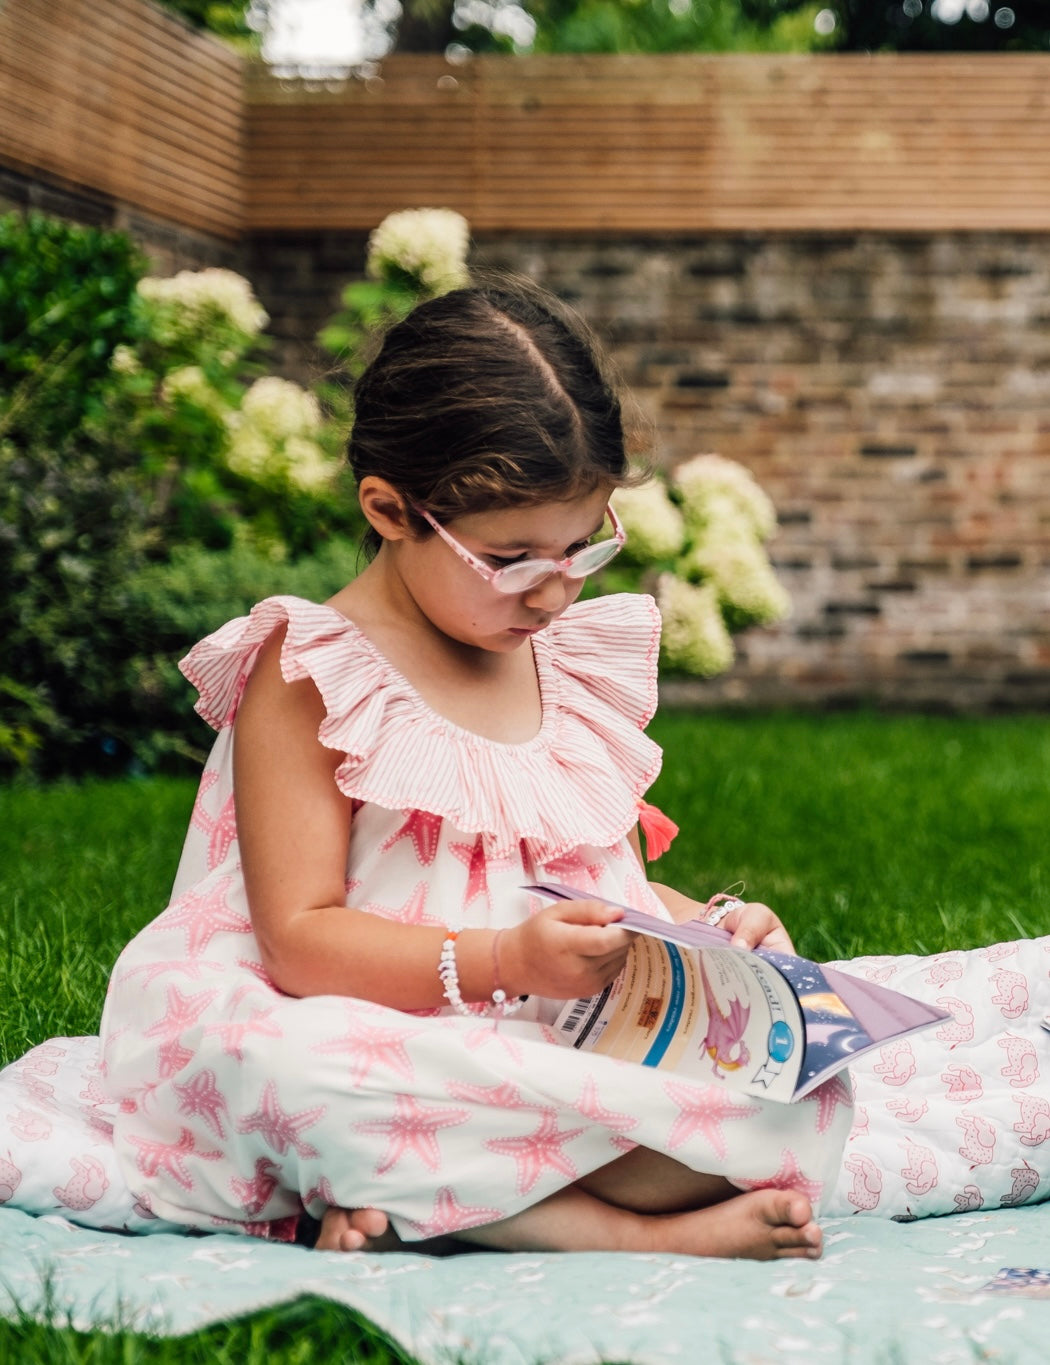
764 1225
355 1230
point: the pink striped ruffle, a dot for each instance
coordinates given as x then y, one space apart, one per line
577 781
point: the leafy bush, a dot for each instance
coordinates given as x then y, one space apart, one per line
135 423
67 294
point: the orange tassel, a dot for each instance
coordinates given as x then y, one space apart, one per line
659 829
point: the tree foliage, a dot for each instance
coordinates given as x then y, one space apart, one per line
921 25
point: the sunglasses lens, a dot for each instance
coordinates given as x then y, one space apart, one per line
594 557
521 577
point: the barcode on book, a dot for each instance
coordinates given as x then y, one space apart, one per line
594 1005
578 1011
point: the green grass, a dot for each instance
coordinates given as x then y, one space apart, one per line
866 833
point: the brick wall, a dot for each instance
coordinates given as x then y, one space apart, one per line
890 392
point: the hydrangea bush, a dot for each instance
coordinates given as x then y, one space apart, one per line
698 540
413 255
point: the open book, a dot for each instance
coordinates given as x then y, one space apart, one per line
768 1024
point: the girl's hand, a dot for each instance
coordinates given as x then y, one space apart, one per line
569 949
754 925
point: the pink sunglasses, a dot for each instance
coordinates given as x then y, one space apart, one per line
526 574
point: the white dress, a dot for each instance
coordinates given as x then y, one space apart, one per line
240 1106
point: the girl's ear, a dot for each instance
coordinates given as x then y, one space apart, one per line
384 508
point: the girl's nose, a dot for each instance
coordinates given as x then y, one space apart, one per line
552 594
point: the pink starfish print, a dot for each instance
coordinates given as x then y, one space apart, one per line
473 857
255 1194
279 1129
152 970
235 1031
221 829
788 1177
412 912
413 1128
201 1095
490 1033
503 1096
539 1149
257 970
322 1191
205 916
591 1108
572 868
370 1045
170 1157
449 1215
829 1096
183 1013
423 829
703 1111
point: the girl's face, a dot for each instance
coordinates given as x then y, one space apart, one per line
459 601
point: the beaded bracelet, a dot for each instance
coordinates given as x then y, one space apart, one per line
715 916
449 975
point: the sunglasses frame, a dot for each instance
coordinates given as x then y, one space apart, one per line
494 577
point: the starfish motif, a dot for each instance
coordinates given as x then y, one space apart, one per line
413 1128
204 916
170 1157
201 1095
591 1108
152 970
235 1031
788 1177
424 830
829 1096
322 1191
279 1129
183 1013
412 912
571 868
503 1096
490 1032
473 858
538 1150
371 1045
222 829
449 1215
255 1194
703 1111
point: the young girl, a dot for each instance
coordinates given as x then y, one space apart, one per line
348 1003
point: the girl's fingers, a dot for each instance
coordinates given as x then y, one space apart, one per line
755 925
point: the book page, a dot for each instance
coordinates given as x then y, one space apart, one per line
716 1015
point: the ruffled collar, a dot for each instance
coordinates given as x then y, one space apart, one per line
576 781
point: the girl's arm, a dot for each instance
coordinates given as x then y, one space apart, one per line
293 827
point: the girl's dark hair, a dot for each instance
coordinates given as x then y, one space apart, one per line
492 396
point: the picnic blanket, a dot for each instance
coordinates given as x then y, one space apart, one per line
884 1291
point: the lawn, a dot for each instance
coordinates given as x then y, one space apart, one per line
867 833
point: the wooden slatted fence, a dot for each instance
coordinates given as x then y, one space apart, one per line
122 98
661 144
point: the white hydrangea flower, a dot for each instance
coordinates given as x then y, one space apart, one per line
714 489
694 636
191 383
250 454
198 292
742 577
307 464
124 361
654 525
428 244
272 435
281 409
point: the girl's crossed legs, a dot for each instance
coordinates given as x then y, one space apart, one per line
642 1202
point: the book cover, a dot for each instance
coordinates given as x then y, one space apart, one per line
769 1024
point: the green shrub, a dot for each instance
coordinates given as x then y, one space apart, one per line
66 299
167 607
